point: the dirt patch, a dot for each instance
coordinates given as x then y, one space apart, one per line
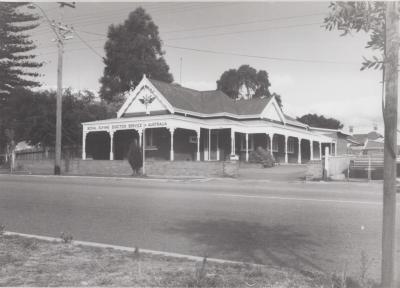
31 262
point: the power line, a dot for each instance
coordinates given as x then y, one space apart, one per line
283 59
93 33
88 21
259 57
96 15
88 45
150 10
225 25
243 31
219 26
244 23
214 34
223 33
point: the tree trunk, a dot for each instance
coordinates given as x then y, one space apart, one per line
390 150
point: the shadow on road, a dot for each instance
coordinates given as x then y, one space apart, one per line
250 242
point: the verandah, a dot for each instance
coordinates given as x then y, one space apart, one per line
186 138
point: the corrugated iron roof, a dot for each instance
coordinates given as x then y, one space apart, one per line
371 144
208 102
361 138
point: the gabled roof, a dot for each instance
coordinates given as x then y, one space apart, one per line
371 144
361 138
294 121
208 102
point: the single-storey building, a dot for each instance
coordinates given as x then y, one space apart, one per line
342 139
181 124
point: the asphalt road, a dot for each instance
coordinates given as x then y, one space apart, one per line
314 226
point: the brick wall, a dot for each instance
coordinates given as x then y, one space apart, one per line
185 168
99 167
122 168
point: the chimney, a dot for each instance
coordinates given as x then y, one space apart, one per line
351 129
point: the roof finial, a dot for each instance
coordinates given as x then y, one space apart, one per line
144 76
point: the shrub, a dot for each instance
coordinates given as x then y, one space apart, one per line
66 238
135 157
29 244
262 156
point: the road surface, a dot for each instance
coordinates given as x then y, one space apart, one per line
306 226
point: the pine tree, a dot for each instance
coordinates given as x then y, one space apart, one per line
16 63
133 48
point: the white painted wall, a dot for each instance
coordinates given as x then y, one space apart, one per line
137 107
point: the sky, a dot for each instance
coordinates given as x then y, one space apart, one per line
314 70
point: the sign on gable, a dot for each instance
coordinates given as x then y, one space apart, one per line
145 102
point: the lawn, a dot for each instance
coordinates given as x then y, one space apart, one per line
31 262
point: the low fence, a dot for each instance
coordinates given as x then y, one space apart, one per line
48 154
355 166
122 168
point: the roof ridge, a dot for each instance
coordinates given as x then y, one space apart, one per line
209 101
175 85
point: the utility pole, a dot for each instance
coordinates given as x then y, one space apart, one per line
57 164
62 35
390 149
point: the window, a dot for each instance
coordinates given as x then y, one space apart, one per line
243 142
193 139
290 145
150 143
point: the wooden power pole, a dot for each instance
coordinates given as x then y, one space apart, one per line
390 150
62 35
57 161
61 32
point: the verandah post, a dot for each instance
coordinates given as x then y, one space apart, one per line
286 149
198 145
209 144
171 157
311 149
299 152
232 142
84 134
271 143
320 151
140 132
111 132
247 147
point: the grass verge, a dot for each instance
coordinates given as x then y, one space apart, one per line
31 262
